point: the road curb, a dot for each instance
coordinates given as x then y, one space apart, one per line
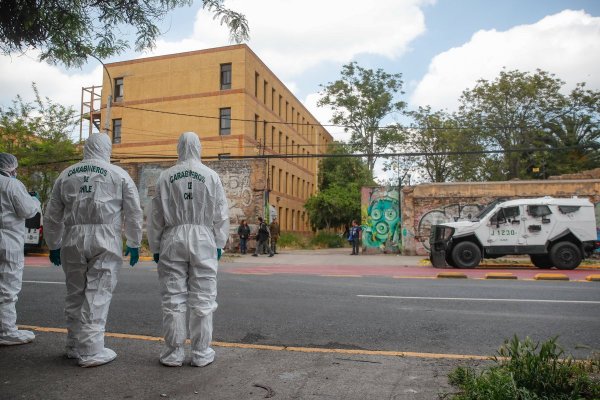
593 278
500 275
551 277
452 275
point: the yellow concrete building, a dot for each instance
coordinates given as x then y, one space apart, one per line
234 102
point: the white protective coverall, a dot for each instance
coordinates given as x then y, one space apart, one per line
187 221
84 217
16 205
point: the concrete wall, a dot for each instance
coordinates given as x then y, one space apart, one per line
428 204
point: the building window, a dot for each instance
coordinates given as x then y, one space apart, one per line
118 89
224 121
225 76
279 106
272 183
287 105
273 137
279 182
279 142
265 84
256 117
116 130
256 84
273 99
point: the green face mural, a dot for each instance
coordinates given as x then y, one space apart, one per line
382 223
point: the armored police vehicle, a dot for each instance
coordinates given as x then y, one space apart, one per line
554 232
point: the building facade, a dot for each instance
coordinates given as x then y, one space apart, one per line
238 107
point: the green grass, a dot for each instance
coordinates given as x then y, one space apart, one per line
292 241
524 370
322 240
325 240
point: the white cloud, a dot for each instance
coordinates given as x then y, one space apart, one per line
566 44
18 72
292 36
323 115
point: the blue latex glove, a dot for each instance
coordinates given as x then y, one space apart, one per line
156 256
55 257
219 252
134 255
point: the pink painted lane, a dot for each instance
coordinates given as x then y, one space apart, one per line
37 261
388 271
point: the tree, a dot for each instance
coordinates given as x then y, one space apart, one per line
334 206
340 181
68 31
577 130
361 100
342 170
439 135
510 113
37 134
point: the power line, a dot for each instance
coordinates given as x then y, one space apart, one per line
361 155
348 127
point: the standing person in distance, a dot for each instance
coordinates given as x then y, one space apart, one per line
188 226
243 233
274 231
262 238
91 202
354 236
16 205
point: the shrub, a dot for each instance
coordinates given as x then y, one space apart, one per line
524 370
292 241
327 240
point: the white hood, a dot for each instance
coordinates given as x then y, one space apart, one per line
97 147
189 147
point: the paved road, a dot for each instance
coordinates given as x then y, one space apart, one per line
370 312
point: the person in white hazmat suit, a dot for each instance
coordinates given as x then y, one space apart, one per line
16 205
188 225
90 202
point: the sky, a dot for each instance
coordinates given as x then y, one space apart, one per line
441 47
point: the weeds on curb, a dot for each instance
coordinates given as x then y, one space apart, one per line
292 241
525 370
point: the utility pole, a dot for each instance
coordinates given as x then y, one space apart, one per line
107 122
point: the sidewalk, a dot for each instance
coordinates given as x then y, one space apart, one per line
339 262
39 371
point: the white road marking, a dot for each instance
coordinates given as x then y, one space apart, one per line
45 282
479 299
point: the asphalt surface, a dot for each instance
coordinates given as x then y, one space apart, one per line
301 325
373 313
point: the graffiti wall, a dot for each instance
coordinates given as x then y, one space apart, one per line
243 181
380 215
445 213
429 204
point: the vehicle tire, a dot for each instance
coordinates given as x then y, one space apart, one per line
449 261
541 260
466 255
565 255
